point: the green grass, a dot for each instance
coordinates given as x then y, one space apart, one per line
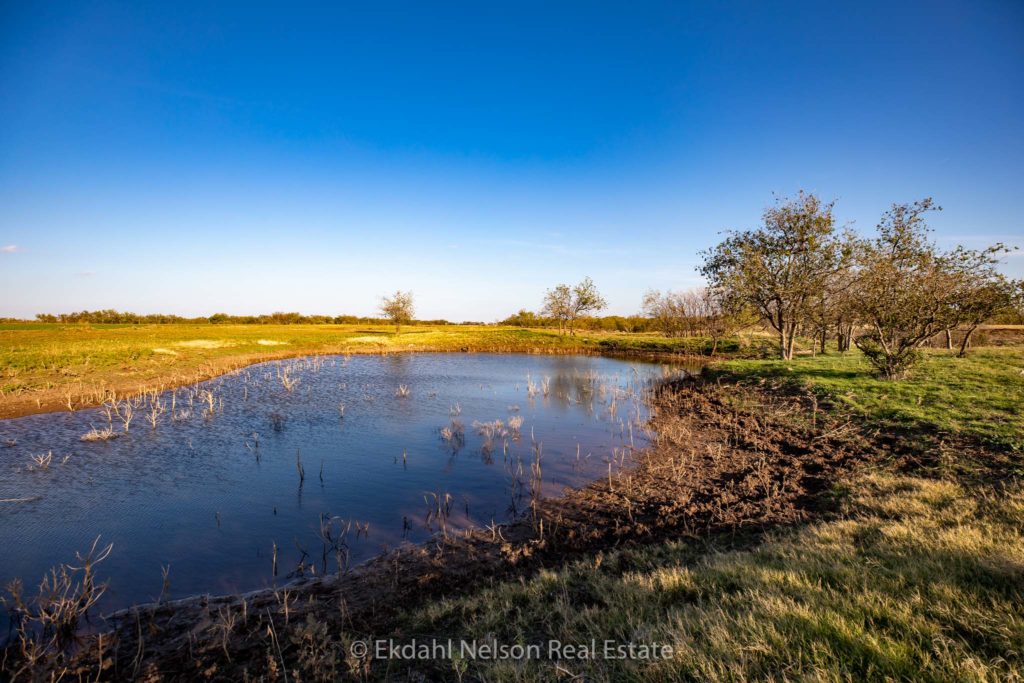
918 580
981 395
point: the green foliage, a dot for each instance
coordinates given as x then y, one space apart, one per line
567 305
777 269
890 365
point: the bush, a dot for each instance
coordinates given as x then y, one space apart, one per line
892 365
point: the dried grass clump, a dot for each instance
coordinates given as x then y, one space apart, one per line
99 434
454 434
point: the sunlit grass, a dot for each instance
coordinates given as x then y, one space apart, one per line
916 579
981 395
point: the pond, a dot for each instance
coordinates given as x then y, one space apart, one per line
230 485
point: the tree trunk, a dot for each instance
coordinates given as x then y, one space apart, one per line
965 343
783 346
949 339
824 338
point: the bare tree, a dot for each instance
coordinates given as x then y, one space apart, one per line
694 312
665 310
567 304
778 268
398 308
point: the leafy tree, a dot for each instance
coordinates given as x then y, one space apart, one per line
398 308
721 321
558 305
778 268
907 291
524 318
585 299
567 304
982 292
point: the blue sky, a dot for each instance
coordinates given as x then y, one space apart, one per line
252 157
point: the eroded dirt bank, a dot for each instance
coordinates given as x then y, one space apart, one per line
728 461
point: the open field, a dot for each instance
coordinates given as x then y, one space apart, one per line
49 366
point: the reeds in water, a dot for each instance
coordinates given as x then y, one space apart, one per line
454 434
99 434
41 462
45 625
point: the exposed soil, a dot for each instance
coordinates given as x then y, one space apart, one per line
727 459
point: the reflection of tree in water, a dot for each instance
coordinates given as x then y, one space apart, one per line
398 363
582 388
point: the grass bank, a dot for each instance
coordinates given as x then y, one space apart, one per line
981 395
45 367
913 579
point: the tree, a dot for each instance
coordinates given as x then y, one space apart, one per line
558 305
585 299
721 321
829 309
566 304
677 314
777 268
905 290
981 293
398 308
523 318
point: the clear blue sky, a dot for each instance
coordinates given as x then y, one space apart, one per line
190 158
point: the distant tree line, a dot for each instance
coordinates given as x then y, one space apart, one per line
605 323
113 317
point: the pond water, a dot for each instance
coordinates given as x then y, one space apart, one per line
213 490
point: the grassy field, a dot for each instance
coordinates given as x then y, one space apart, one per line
51 366
981 395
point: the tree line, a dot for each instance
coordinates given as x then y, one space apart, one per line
800 275
112 317
887 294
797 274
